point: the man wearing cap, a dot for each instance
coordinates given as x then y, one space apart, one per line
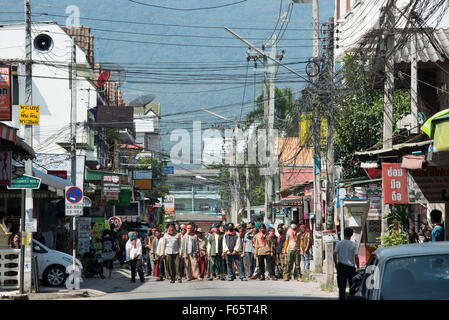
292 248
215 254
202 257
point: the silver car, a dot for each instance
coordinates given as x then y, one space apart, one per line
406 272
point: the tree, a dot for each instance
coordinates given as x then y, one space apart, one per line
359 115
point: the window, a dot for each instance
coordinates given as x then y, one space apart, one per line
179 206
368 284
416 278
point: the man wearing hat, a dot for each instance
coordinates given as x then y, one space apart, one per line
202 242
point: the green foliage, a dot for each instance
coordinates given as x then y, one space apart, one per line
286 117
393 238
359 116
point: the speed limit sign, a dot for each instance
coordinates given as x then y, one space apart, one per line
115 223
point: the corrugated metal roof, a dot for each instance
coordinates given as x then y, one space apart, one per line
426 50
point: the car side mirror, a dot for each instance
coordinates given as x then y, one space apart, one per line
37 249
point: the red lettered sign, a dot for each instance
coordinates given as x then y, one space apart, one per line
394 183
5 93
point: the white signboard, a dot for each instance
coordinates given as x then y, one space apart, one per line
143 175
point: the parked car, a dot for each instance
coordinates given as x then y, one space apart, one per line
52 264
407 272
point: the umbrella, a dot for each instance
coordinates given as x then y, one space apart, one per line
428 127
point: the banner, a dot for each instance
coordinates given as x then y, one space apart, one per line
5 93
110 187
394 183
169 204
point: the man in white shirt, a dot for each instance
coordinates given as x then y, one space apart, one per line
346 259
189 252
134 256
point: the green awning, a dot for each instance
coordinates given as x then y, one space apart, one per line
97 175
428 127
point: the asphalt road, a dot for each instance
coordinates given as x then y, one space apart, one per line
120 288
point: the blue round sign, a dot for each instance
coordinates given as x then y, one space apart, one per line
74 195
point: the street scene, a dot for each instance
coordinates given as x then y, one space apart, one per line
224 150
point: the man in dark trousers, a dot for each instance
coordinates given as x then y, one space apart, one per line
346 259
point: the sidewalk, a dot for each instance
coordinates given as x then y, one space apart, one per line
89 287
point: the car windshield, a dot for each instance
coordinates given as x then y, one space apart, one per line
422 277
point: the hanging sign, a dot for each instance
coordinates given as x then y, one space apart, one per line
5 93
29 115
394 183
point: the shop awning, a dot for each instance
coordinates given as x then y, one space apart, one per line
413 162
8 133
54 183
428 127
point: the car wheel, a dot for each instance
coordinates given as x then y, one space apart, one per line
54 276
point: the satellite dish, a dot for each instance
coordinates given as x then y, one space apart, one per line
103 78
143 100
43 42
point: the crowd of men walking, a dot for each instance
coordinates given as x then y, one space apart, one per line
226 252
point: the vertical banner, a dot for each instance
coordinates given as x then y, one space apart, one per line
394 183
5 168
5 93
169 204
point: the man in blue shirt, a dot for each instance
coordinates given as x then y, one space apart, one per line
438 231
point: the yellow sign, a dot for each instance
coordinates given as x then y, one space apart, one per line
143 184
29 115
307 130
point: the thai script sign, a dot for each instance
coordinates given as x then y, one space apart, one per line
394 183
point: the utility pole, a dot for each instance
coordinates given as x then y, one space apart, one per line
265 121
316 124
270 126
388 96
414 84
329 246
73 144
235 204
25 253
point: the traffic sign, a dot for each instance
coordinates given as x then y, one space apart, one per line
73 201
168 170
25 182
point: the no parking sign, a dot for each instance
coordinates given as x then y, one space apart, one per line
73 201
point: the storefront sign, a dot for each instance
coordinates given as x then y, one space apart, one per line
143 184
143 175
110 187
169 204
29 115
58 173
394 183
5 93
25 182
431 184
84 229
5 168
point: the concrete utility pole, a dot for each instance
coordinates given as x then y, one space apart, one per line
73 143
270 127
316 124
388 95
414 84
25 277
329 246
235 204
